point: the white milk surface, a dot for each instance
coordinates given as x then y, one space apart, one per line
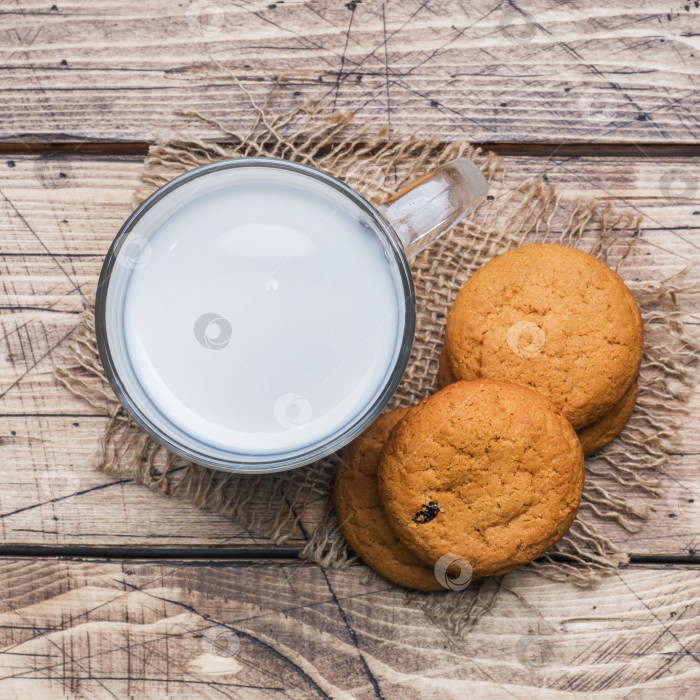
265 319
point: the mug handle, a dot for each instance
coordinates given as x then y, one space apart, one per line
425 210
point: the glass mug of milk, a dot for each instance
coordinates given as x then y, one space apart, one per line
255 315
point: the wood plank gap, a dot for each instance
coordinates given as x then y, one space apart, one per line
223 554
534 149
148 553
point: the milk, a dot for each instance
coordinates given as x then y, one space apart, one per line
263 315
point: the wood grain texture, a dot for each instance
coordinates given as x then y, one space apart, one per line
78 215
542 75
261 629
490 71
51 495
53 233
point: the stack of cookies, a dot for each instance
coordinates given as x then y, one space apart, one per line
542 351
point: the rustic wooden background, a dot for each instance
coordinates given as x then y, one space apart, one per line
109 590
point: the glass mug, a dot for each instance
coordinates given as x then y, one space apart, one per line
255 315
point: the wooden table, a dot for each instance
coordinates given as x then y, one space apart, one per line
111 590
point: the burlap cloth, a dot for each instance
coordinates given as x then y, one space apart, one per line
621 479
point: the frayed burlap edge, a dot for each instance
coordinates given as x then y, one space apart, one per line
377 165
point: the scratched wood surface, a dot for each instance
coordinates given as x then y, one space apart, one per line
601 98
115 70
252 629
54 231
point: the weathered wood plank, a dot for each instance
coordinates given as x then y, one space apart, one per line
493 72
79 215
51 495
267 629
53 233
